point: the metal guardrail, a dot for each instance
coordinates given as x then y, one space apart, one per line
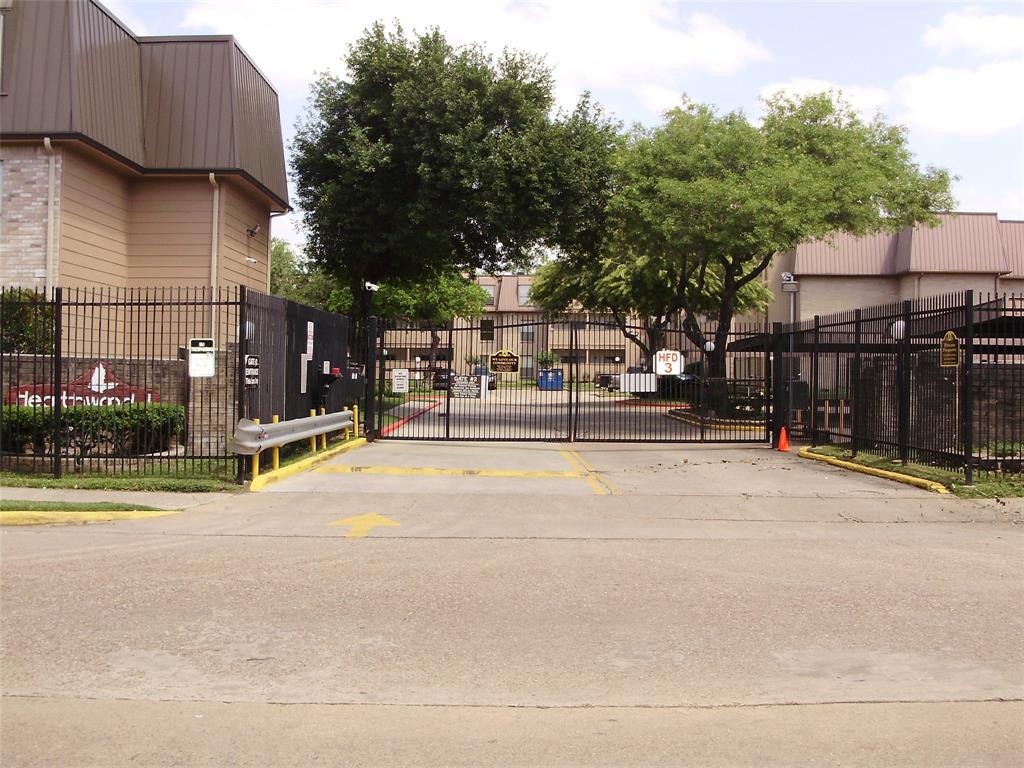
251 437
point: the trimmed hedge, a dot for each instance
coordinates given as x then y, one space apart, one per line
90 430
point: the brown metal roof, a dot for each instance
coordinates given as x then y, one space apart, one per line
1013 242
186 104
847 255
961 243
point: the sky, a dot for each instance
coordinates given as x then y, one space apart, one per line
952 73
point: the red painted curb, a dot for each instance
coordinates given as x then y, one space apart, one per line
402 422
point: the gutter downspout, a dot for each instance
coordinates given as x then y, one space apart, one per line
51 255
270 240
214 239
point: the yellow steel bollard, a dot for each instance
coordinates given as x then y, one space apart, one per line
312 440
323 437
255 459
355 419
275 452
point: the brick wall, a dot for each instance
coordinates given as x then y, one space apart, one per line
23 214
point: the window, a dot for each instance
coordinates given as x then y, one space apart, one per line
527 334
489 289
526 366
524 295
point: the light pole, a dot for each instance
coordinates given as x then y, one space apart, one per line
791 286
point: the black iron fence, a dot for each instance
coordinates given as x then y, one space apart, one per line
937 381
153 381
98 380
570 378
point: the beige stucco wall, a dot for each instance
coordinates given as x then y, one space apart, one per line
24 200
934 284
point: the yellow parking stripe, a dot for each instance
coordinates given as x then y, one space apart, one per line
599 484
446 472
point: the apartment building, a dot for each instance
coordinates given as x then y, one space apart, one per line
975 251
131 161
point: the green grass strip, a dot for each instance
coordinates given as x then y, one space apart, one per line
987 485
15 505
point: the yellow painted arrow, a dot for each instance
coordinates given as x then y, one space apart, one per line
363 524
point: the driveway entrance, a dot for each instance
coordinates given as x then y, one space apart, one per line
572 380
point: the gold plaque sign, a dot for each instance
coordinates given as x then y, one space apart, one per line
505 361
949 351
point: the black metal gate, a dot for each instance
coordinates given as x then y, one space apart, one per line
578 378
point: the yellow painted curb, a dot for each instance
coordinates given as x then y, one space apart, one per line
46 517
928 485
266 478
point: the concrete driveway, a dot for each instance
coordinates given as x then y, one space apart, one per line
524 604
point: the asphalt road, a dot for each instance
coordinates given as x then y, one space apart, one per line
524 604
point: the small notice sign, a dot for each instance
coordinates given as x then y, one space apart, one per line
949 351
505 361
468 387
309 338
400 380
252 370
668 362
202 359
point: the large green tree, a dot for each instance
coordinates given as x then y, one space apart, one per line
706 200
427 159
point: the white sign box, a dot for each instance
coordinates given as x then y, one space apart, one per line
202 359
400 380
636 383
668 362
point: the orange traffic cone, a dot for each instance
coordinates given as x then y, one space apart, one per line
783 440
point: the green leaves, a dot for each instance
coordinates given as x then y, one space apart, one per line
428 159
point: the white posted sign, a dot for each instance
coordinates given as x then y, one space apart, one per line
400 380
668 362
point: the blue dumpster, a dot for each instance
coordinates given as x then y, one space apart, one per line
551 379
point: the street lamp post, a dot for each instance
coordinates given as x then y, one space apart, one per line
791 286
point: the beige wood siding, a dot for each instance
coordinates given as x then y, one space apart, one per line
170 233
240 211
95 201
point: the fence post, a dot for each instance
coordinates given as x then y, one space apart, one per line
855 402
370 428
968 385
240 372
903 385
778 371
814 382
55 368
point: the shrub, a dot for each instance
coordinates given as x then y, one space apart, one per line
26 322
89 430
547 359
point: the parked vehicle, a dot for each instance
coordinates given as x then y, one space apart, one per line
442 379
609 381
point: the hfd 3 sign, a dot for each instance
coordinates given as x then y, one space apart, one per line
668 362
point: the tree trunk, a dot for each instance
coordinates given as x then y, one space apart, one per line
435 342
717 370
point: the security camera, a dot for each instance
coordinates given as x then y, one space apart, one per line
253 230
372 286
787 277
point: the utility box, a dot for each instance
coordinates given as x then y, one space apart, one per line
352 383
551 379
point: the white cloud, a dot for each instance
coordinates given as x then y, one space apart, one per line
966 102
996 34
865 99
127 15
1007 201
594 46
